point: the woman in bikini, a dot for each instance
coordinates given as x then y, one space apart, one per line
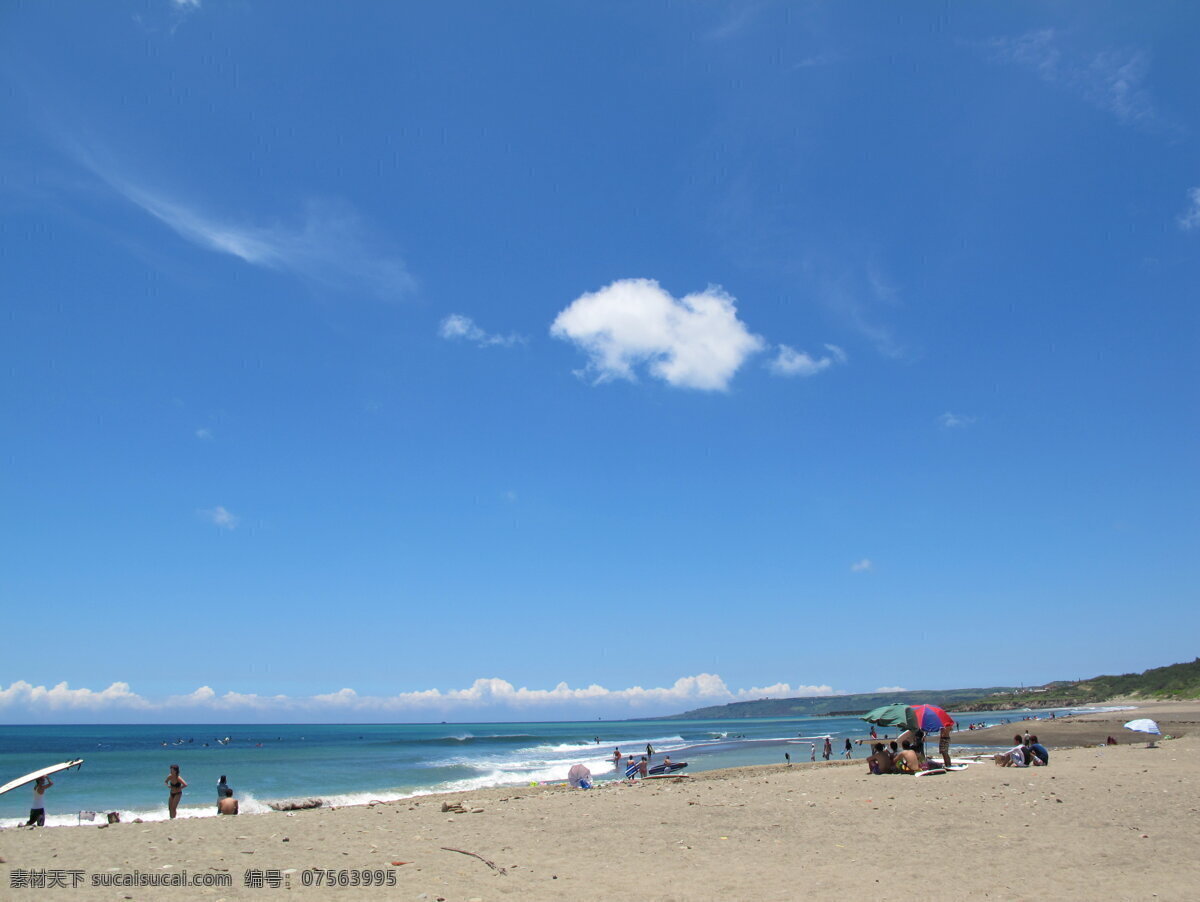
176 784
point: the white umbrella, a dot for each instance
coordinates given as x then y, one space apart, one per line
579 776
1144 725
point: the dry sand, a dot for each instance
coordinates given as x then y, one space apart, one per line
1113 823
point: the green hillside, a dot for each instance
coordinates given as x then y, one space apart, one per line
1172 681
836 704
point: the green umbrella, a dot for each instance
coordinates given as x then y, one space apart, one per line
892 716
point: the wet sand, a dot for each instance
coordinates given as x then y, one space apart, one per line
1173 718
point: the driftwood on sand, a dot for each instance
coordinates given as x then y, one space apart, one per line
295 804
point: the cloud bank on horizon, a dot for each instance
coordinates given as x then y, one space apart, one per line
485 698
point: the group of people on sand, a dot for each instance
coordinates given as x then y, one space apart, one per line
226 803
1027 751
906 754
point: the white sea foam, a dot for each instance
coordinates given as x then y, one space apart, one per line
666 742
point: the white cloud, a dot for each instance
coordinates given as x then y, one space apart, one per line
187 4
204 434
954 421
790 362
1190 218
490 697
1110 80
61 697
694 342
219 516
463 328
862 566
891 689
784 690
328 245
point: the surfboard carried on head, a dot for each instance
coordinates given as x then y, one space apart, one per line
44 772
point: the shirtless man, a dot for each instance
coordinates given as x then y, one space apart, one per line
227 805
944 746
909 758
881 761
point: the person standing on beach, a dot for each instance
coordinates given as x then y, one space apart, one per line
828 750
643 767
787 756
37 811
944 745
177 785
849 753
812 751
223 789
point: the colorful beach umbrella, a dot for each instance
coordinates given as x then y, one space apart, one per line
893 716
931 718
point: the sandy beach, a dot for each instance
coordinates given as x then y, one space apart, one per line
1117 822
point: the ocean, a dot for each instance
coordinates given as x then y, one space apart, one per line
348 764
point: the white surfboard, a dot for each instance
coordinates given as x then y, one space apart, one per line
44 772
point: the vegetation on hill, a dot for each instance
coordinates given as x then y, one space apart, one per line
835 705
1172 681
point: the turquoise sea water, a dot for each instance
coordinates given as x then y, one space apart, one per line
125 765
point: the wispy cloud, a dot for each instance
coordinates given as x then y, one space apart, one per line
327 245
219 516
693 342
954 420
790 362
1110 80
891 689
862 566
483 695
457 327
819 59
736 21
1190 218
204 434
862 296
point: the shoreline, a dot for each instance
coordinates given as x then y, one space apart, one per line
1117 816
1089 727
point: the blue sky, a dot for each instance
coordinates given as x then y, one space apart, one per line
465 361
